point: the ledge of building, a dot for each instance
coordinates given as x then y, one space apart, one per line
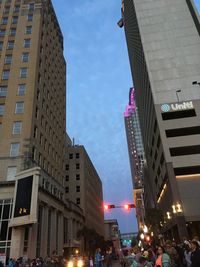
7 183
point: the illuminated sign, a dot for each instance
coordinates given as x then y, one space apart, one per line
177 106
23 197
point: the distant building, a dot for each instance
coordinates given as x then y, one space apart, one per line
127 238
136 155
163 39
84 187
112 233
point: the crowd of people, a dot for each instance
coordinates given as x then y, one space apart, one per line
166 254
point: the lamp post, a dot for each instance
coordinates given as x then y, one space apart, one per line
177 94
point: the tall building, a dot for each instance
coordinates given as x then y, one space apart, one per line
33 132
112 233
84 187
136 155
164 51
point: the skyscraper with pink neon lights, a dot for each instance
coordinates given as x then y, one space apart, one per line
136 154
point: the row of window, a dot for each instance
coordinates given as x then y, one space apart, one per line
23 73
20 90
12 32
16 128
16 9
78 189
24 58
71 156
77 167
77 177
10 44
4 20
19 108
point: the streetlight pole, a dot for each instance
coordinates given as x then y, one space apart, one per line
177 94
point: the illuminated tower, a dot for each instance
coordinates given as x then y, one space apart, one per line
136 154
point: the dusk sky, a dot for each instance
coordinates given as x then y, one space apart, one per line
98 82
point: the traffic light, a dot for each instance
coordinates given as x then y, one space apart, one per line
108 207
129 206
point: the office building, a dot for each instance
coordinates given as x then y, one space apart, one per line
33 132
163 39
84 187
136 155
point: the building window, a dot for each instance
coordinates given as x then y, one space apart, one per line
5 74
19 108
23 72
77 155
30 17
17 127
11 172
14 20
78 201
16 9
14 149
2 109
77 166
25 57
77 177
3 91
6 10
12 31
28 30
2 32
10 45
8 59
67 189
27 43
21 89
1 45
4 20
184 150
179 114
67 167
78 189
31 7
70 156
67 178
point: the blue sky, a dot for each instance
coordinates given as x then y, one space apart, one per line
98 82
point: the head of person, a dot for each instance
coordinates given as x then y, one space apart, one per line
160 250
194 245
168 244
186 247
196 238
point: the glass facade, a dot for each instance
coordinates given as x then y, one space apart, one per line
5 232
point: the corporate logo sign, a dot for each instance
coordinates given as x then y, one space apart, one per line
177 106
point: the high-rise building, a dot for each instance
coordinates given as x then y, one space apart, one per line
164 51
84 187
33 132
136 155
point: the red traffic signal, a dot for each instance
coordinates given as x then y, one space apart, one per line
129 206
108 207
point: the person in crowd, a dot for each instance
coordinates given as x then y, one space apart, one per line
1 264
152 256
143 261
98 258
108 258
196 238
195 256
11 263
180 259
137 252
172 252
187 255
163 259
